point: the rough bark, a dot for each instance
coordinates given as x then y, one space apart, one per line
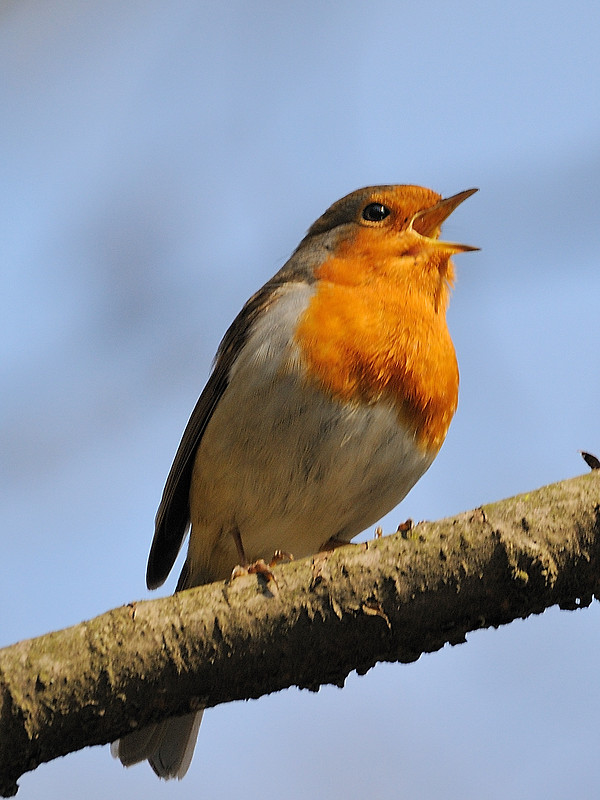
390 599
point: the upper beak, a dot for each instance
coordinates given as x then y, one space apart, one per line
428 222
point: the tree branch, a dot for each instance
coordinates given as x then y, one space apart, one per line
390 599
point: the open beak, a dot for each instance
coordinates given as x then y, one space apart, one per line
428 222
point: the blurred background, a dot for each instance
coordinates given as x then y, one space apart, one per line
161 160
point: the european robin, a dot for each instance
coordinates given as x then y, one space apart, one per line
330 396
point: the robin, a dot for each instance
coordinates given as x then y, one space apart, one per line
330 396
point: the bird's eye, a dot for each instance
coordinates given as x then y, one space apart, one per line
375 212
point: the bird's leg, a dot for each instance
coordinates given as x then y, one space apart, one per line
258 567
237 538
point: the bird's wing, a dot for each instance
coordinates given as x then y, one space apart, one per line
173 515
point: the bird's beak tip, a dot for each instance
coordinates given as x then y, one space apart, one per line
452 248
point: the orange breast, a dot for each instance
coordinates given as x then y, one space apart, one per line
376 330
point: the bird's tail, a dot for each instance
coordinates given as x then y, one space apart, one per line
168 746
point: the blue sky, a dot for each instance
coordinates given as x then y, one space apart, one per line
160 160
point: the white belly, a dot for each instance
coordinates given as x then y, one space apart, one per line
286 465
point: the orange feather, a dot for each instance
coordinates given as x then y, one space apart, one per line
376 327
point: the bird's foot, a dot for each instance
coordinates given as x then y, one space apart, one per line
260 567
279 556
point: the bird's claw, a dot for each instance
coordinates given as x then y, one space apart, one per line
260 567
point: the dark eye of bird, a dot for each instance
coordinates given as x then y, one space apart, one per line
375 212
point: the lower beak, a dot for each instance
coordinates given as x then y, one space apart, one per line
428 222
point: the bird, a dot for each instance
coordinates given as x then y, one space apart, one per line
331 394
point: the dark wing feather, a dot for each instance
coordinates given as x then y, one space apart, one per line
173 515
